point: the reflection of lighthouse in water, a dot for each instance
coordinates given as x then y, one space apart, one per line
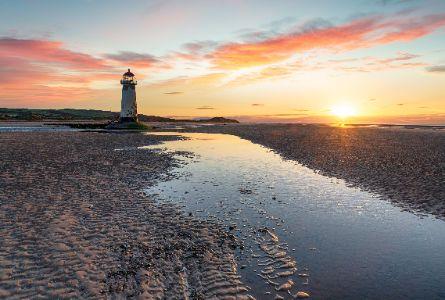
129 111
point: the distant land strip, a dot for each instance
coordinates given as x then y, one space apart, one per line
68 114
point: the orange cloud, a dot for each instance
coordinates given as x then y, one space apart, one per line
184 83
43 96
360 33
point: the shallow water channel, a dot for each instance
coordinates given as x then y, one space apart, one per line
332 241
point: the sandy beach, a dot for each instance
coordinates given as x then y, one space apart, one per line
75 223
79 220
405 166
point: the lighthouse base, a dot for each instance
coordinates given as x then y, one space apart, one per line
128 120
127 125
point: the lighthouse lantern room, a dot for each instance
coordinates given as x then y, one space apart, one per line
129 111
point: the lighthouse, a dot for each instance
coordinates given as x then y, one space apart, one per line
129 111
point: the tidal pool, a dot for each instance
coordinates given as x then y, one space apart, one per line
32 127
299 228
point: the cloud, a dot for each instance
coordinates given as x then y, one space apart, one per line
315 62
257 104
49 52
133 59
401 56
266 73
279 24
45 71
190 83
256 35
205 107
372 64
436 69
43 96
194 50
363 32
199 46
287 115
173 93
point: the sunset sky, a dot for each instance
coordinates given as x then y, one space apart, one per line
282 61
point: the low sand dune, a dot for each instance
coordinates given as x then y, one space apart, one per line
75 224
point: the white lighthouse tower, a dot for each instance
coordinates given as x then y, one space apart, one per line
129 111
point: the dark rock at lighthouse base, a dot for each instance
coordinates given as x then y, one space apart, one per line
128 124
128 120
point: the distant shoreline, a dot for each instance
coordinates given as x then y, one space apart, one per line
88 115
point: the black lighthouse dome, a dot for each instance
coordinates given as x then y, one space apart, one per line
128 78
128 73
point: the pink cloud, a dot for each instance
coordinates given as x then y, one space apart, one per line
49 52
360 33
45 71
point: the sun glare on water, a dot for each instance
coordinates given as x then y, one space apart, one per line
343 111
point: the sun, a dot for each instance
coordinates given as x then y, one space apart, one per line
343 110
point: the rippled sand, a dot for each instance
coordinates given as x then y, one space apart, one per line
75 224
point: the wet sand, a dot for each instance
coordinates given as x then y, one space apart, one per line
75 223
302 231
406 166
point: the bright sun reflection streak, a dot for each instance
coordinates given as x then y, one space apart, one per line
343 111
